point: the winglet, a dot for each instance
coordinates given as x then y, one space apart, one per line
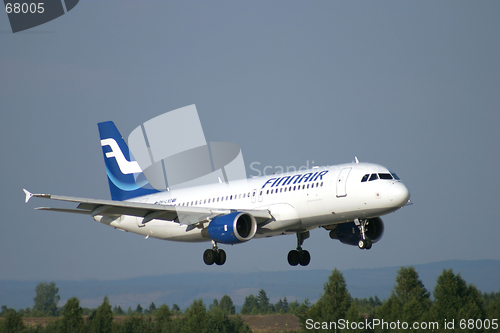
28 195
356 159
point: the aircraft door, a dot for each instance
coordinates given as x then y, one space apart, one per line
254 193
342 181
260 195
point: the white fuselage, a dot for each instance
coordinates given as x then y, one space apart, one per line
298 201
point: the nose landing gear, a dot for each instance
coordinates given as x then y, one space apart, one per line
364 242
299 256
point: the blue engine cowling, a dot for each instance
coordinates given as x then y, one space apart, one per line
232 228
348 233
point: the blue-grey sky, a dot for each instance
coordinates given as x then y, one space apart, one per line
412 85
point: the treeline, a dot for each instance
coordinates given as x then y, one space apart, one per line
260 304
73 318
455 306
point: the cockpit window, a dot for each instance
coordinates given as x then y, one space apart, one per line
375 176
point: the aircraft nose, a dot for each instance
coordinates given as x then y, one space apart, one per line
399 194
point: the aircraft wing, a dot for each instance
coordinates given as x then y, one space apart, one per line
183 215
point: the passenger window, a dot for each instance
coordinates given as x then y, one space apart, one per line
365 178
267 192
374 176
385 176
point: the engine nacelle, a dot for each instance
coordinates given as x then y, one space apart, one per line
348 233
232 228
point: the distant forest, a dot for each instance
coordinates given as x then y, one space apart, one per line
455 306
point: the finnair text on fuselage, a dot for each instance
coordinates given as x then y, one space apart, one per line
296 179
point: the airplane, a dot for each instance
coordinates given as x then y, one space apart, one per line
347 200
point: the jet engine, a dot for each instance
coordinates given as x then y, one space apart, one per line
348 233
232 228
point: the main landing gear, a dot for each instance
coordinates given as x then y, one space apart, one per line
214 255
364 242
300 256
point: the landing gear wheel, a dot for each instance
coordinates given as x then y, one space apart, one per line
220 257
368 243
365 244
209 256
305 258
293 257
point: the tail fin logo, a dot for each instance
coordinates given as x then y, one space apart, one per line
126 167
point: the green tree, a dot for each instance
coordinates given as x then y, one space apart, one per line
492 306
299 309
151 310
12 321
195 317
72 320
101 319
454 299
163 319
118 311
136 324
250 306
227 306
409 301
282 306
214 306
176 310
263 302
46 300
334 304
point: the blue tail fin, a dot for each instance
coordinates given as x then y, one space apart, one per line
121 168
